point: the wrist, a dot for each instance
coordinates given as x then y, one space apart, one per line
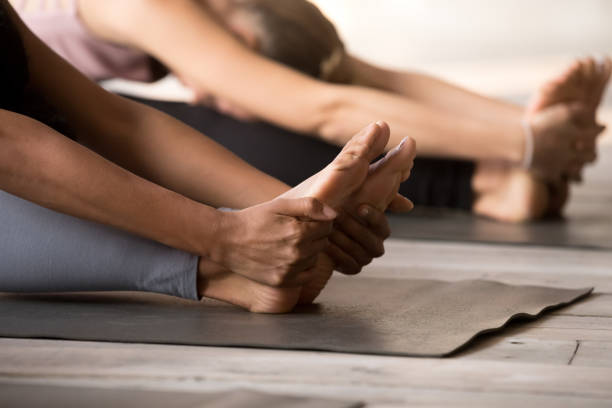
220 233
528 144
515 142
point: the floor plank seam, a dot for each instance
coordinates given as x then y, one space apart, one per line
571 360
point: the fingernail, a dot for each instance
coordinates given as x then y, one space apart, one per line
329 212
380 123
402 143
397 148
364 211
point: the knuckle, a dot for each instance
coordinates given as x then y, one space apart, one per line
295 229
294 254
277 278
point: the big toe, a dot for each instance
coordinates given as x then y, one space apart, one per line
399 160
386 175
365 146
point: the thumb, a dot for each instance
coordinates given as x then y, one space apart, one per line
305 207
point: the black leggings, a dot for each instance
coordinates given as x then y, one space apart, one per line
292 157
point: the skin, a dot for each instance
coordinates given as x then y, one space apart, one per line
524 196
381 182
148 159
427 108
482 129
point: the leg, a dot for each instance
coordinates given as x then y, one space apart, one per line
508 194
44 251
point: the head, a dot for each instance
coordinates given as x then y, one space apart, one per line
292 32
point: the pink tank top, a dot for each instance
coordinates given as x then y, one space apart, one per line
63 31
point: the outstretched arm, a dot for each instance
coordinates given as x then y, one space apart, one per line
210 58
434 92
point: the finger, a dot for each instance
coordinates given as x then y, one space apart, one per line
309 249
579 114
574 172
350 247
362 235
309 231
344 263
588 156
298 269
374 219
306 276
306 207
605 68
400 204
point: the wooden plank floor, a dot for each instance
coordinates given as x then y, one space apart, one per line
564 359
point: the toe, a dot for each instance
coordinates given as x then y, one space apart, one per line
367 145
400 159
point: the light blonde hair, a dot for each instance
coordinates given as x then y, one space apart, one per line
297 34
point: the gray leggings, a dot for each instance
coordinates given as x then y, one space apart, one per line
45 251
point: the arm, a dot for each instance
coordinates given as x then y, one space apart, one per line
43 166
143 140
79 182
209 57
434 92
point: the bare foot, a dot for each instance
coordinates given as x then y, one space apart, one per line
216 282
343 176
584 82
509 194
340 184
379 190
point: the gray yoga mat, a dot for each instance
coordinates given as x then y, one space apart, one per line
49 396
587 222
587 226
353 315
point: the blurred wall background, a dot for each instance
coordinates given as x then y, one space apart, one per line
525 39
402 31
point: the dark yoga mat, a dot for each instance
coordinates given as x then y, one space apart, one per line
587 226
49 396
353 315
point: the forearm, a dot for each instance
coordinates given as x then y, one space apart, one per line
42 166
437 133
436 93
143 140
169 153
